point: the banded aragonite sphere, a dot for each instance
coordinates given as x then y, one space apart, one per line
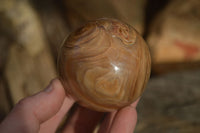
104 65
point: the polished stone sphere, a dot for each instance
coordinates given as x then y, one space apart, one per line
104 65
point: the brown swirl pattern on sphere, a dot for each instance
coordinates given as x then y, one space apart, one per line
104 65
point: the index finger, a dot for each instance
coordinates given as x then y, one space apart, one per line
122 121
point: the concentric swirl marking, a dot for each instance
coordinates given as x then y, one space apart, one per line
104 65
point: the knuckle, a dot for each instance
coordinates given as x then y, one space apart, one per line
55 82
23 103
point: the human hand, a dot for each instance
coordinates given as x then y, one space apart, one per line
44 111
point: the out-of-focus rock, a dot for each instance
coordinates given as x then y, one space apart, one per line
129 11
53 21
175 36
171 103
4 101
4 46
29 65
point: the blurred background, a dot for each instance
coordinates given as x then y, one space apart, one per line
31 32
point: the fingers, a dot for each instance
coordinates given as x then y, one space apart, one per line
82 121
30 112
122 121
107 122
52 124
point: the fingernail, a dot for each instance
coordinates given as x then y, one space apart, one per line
49 88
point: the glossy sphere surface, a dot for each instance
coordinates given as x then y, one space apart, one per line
104 65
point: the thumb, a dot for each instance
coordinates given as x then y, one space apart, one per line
30 112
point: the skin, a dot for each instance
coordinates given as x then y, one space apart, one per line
44 111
